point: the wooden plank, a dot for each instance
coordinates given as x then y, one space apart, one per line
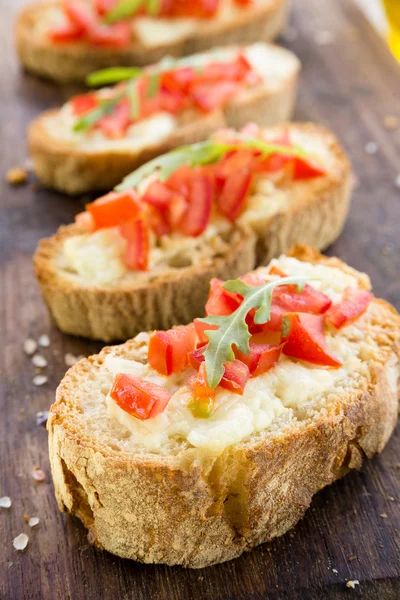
350 84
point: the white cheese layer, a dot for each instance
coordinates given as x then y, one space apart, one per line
288 387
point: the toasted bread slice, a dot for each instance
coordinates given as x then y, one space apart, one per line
70 62
77 163
122 304
206 492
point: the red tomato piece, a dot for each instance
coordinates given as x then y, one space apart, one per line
234 194
179 180
138 397
136 234
198 212
236 375
80 15
179 80
118 35
66 33
261 357
196 357
252 280
103 7
115 124
84 103
305 339
158 194
157 221
221 301
210 96
200 331
114 208
85 220
307 168
169 350
231 163
355 302
203 397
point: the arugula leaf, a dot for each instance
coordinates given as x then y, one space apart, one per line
134 99
233 329
153 7
90 118
123 10
112 75
153 85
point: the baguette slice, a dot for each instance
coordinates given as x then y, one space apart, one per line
187 504
309 211
71 62
77 165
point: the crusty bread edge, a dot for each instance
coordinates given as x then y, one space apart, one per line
118 313
67 63
163 509
73 170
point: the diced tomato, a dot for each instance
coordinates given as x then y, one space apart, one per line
103 7
198 212
85 220
307 168
236 375
179 80
261 357
157 221
136 234
84 103
118 35
196 357
179 180
200 331
252 280
221 301
114 208
210 96
138 397
158 194
234 194
66 33
169 350
275 162
171 102
80 15
355 302
232 162
115 124
203 397
305 339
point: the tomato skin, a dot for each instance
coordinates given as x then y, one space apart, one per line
236 375
221 301
198 212
85 220
234 194
114 208
169 350
261 357
355 302
84 103
201 328
138 397
136 234
305 339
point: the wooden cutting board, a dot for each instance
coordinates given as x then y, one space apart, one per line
351 532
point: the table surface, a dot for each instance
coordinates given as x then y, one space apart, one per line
350 83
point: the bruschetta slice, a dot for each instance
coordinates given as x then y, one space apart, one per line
96 139
193 445
66 41
141 257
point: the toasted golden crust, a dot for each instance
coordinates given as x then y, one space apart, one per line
184 509
74 170
120 312
73 62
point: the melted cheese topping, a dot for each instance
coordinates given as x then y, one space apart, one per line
287 389
274 65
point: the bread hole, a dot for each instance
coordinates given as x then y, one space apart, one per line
80 502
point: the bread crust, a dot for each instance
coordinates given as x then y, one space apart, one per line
196 513
117 313
66 63
74 170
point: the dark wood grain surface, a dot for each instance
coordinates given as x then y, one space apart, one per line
351 84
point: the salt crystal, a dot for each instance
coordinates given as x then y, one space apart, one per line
41 417
44 341
323 38
39 361
334 570
371 148
38 474
21 541
71 359
352 584
30 346
5 502
33 521
39 380
397 181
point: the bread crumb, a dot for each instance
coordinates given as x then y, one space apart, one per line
26 518
44 341
353 557
352 583
39 380
381 545
71 360
33 521
30 346
391 122
383 516
17 176
21 541
5 502
391 498
39 361
38 474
